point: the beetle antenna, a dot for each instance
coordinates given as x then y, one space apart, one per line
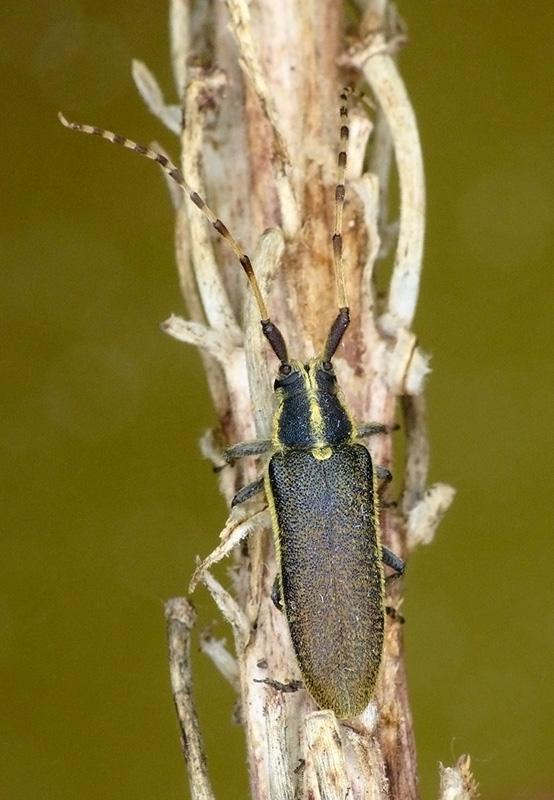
342 320
176 174
339 201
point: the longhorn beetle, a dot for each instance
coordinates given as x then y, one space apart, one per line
321 487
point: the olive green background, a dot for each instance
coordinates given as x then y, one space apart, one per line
105 498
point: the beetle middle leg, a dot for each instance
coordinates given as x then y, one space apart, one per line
247 492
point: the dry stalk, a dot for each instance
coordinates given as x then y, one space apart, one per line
258 85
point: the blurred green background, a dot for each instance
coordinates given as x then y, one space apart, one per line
105 498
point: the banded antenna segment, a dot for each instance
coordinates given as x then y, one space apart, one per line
175 174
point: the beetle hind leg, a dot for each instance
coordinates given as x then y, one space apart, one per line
393 561
383 473
276 597
394 614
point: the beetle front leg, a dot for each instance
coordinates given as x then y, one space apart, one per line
371 428
256 447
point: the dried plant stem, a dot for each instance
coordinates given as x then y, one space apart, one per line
260 142
180 622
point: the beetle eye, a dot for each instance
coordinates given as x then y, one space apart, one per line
287 377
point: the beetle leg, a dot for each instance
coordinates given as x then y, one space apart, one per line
392 560
284 688
393 614
371 428
383 474
276 594
255 447
247 492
